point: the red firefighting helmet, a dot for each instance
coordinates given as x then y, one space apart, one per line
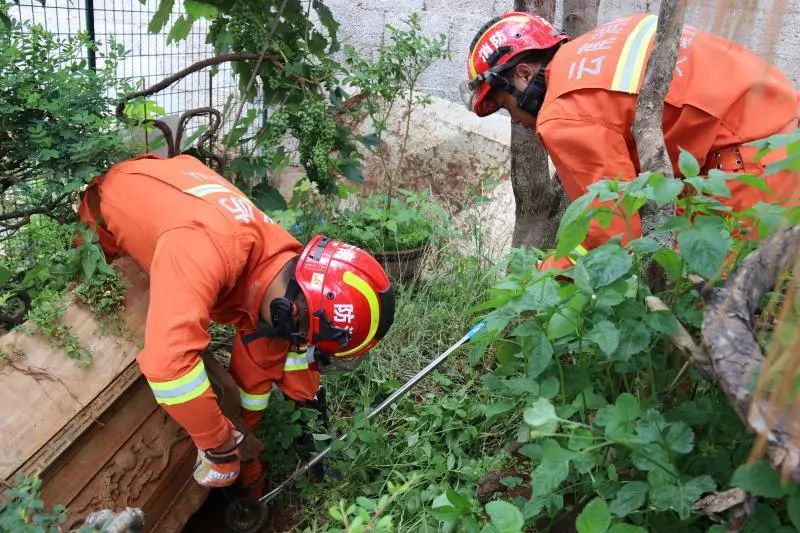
350 300
494 50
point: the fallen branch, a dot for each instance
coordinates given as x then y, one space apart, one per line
735 357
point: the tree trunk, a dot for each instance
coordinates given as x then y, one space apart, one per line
579 17
647 127
539 197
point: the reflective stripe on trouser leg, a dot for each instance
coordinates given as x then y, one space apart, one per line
297 361
182 389
253 402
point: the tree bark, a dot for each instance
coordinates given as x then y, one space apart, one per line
579 17
539 197
735 357
647 126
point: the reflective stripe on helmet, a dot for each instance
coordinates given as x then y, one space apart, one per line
253 402
374 310
631 62
473 72
183 389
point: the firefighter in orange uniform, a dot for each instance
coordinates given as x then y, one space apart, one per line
580 95
212 255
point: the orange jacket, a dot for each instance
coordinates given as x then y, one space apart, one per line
210 254
721 96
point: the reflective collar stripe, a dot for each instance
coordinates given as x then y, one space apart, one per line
374 310
296 361
253 402
631 63
183 389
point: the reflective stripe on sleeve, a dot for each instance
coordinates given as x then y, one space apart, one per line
183 389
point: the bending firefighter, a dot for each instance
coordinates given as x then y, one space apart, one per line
580 95
212 255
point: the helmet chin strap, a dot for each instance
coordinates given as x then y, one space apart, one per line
283 325
532 98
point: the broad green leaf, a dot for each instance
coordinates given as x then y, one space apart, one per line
789 163
760 479
626 528
458 501
618 419
688 165
580 439
634 338
595 517
541 354
562 323
605 335
670 261
5 274
89 263
680 437
629 498
756 182
161 16
553 469
644 245
370 140
267 198
682 496
716 184
352 171
444 511
663 322
505 517
572 235
666 190
576 210
180 30
606 264
540 413
793 509
703 249
199 10
499 408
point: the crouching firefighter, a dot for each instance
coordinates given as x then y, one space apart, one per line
579 96
212 255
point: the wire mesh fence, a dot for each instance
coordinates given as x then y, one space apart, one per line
149 59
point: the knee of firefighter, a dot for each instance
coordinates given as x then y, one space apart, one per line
153 367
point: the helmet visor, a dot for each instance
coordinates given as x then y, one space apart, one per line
474 94
469 94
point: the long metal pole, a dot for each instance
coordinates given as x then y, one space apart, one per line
407 386
90 53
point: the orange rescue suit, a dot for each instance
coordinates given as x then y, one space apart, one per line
210 254
721 96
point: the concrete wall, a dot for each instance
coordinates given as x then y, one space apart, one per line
745 21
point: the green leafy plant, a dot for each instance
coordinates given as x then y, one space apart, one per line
613 423
22 509
410 221
390 78
56 127
295 91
